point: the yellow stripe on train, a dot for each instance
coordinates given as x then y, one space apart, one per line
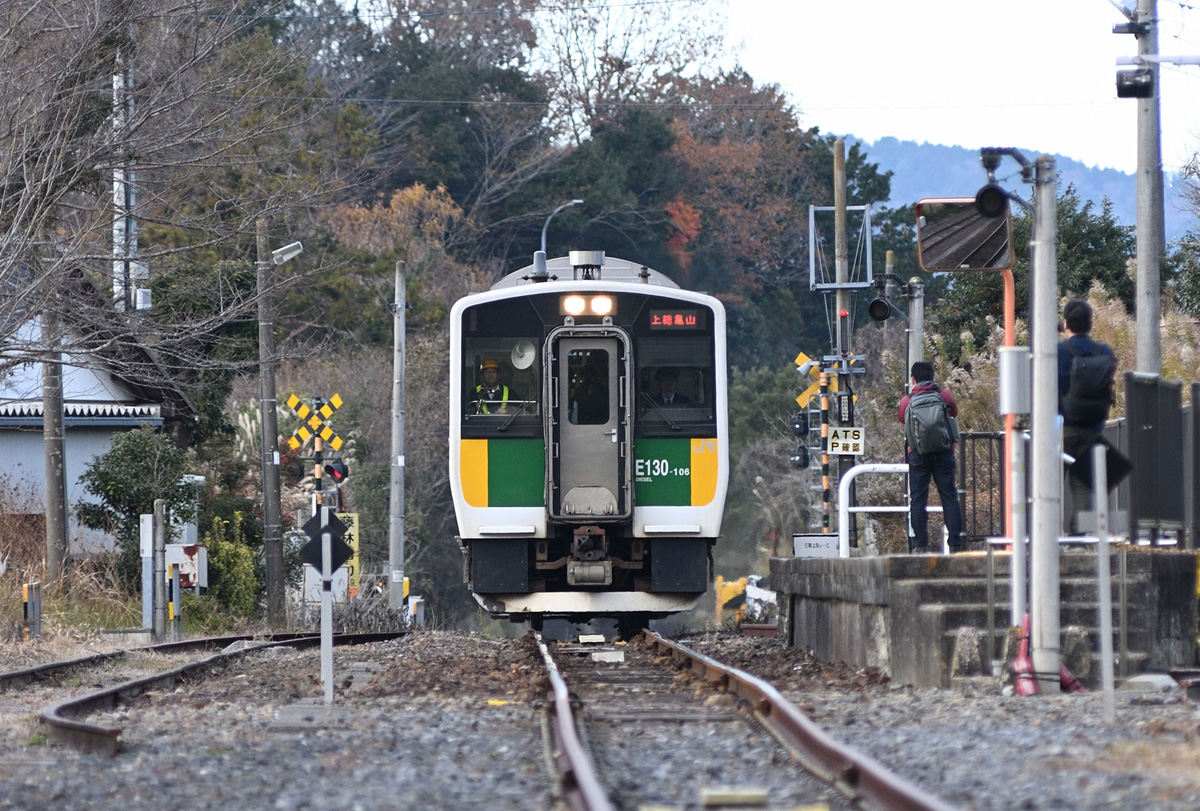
473 466
704 471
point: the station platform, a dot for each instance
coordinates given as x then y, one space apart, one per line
923 619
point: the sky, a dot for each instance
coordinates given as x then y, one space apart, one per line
1039 75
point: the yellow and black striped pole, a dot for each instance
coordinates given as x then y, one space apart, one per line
172 596
825 494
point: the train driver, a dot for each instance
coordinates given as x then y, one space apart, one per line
490 396
667 377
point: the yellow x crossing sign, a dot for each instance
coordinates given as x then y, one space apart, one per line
315 422
807 366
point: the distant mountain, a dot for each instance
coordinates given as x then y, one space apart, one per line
931 170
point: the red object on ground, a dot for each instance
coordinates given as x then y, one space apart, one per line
1067 680
1023 666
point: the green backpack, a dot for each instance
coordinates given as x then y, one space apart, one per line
927 426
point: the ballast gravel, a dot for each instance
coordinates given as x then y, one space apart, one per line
443 720
977 748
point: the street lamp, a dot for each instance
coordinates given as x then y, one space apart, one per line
546 224
272 509
287 252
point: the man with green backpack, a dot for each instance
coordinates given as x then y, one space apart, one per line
930 432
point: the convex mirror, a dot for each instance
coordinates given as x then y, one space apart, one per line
952 235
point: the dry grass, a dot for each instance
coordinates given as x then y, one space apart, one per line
75 611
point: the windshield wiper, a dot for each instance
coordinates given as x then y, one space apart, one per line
515 413
661 413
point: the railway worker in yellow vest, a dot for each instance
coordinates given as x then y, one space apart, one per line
490 396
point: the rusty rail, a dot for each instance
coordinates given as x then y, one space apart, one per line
63 720
48 669
580 787
857 776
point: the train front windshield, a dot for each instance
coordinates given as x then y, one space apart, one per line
668 379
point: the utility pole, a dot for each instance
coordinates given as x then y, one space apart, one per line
1151 238
127 270
396 500
841 256
272 509
53 445
842 277
1046 483
916 322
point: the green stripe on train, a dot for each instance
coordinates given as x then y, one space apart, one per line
661 472
516 473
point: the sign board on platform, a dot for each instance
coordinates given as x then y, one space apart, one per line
815 545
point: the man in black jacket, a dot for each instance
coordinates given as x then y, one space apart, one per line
1081 425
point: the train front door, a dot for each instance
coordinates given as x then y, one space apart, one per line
591 433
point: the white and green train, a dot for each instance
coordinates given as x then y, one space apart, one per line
588 440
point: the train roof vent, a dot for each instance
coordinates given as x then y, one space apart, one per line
587 264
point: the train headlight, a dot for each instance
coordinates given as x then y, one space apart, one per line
574 305
602 305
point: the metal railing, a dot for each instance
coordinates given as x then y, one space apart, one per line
981 485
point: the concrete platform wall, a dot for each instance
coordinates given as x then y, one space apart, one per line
903 613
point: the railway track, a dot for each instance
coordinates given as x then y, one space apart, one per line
438 720
64 719
630 729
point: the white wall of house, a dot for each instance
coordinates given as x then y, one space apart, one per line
23 477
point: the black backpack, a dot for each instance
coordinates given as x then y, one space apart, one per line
1090 392
927 427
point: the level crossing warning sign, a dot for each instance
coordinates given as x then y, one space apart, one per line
316 422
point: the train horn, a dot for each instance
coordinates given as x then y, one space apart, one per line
523 354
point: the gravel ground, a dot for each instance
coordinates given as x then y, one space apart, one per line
979 749
414 725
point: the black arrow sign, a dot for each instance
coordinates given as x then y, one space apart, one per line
339 550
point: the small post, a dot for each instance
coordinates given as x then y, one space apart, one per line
326 605
416 610
32 597
174 620
1100 476
160 569
146 544
1123 599
991 604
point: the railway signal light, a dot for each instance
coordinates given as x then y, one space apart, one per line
337 471
800 458
880 309
1135 84
799 424
992 201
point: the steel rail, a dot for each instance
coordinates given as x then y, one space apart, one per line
62 718
579 784
48 669
856 775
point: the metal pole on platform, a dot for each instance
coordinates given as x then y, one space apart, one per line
1018 571
1150 239
1104 571
1046 462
